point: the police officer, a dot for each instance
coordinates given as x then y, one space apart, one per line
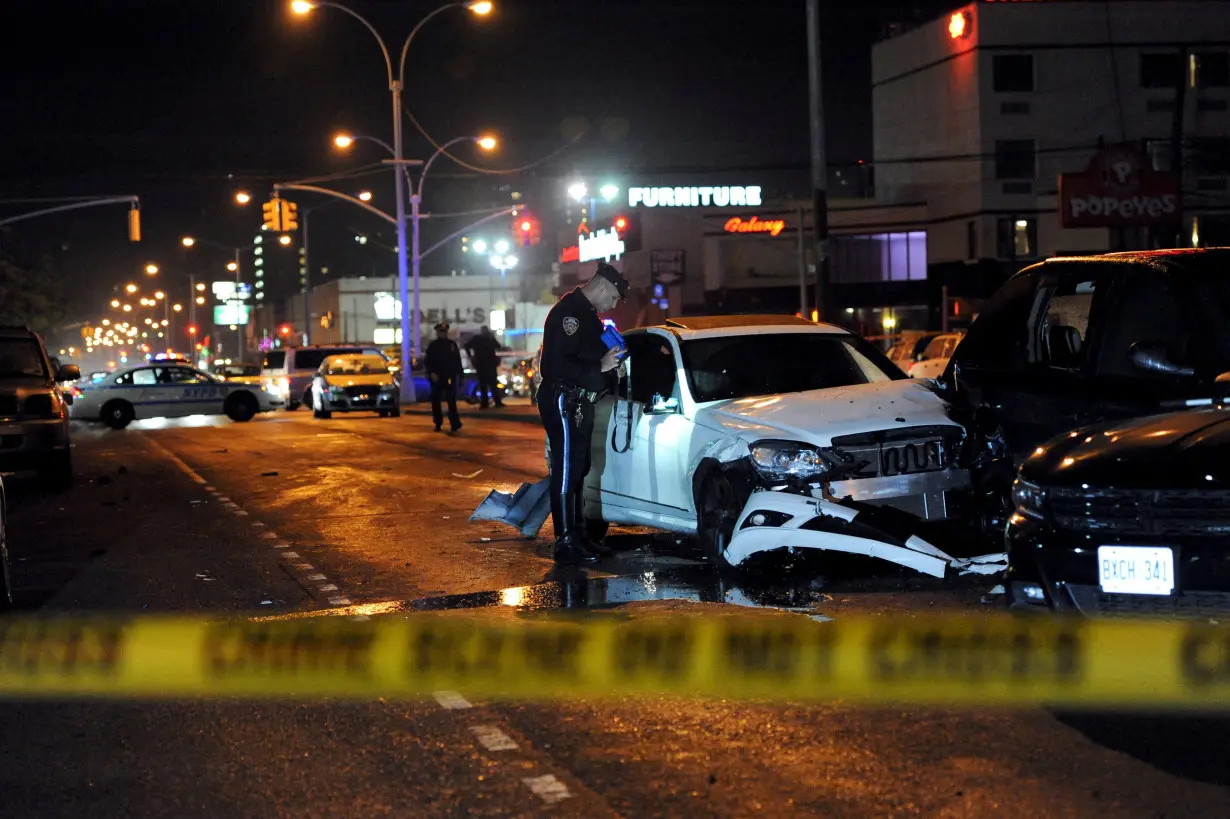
442 361
576 369
484 350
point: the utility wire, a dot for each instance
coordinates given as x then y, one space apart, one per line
497 171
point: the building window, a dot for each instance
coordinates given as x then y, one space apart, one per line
1161 70
879 257
1012 72
1160 155
1212 69
1015 159
1017 238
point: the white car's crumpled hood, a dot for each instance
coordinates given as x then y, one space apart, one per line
818 416
373 380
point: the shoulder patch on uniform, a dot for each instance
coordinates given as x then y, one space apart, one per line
571 325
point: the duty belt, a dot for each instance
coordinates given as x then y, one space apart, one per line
577 392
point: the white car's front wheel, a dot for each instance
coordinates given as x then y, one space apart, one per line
719 502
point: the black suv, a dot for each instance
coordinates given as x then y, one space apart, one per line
1075 341
33 413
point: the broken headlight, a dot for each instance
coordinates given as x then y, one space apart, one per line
1028 499
781 460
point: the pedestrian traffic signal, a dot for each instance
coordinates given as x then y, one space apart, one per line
290 216
273 214
192 329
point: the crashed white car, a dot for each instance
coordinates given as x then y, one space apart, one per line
759 433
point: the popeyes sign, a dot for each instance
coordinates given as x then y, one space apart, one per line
1119 188
754 225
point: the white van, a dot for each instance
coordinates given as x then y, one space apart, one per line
288 372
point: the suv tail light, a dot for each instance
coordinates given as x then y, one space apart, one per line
41 406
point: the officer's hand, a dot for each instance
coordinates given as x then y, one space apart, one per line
611 359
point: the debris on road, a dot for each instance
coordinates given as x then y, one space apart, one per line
527 509
205 576
269 474
467 477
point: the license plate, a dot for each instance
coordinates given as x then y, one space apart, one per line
1136 569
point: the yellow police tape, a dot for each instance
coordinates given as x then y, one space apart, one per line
997 660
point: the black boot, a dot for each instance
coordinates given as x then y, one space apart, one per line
569 550
589 544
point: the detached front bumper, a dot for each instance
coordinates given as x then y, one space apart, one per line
773 520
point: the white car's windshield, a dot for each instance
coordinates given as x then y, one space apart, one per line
21 358
356 365
726 367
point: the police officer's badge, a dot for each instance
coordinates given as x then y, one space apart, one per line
571 325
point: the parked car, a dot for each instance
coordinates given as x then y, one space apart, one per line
169 391
289 372
933 360
750 431
1076 341
355 383
249 374
1127 518
908 346
34 430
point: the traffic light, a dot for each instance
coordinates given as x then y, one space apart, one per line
290 216
273 214
192 329
628 226
134 225
285 330
526 230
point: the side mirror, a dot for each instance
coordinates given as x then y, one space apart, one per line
69 372
1151 357
1221 389
663 406
67 395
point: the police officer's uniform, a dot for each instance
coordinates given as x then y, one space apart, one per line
443 360
572 380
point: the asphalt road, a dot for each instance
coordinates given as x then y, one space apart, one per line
363 516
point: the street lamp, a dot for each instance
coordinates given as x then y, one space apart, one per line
609 191
365 196
232 266
577 191
115 302
409 344
151 270
243 197
187 241
284 239
132 288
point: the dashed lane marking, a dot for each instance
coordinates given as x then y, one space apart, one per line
317 577
183 467
304 567
290 555
547 788
452 700
493 739
339 601
328 587
240 513
270 535
258 524
281 545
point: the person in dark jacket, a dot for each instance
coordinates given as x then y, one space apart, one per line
484 351
576 370
442 361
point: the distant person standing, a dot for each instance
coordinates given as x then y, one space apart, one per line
484 351
442 361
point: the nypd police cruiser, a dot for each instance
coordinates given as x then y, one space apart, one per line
165 390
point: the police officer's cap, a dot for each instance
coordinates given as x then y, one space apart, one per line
442 327
614 277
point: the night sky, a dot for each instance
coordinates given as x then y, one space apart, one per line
182 103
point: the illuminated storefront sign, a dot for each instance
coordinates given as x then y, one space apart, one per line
754 225
570 254
1119 188
601 244
702 197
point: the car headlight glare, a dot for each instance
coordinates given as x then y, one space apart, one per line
1029 499
785 460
